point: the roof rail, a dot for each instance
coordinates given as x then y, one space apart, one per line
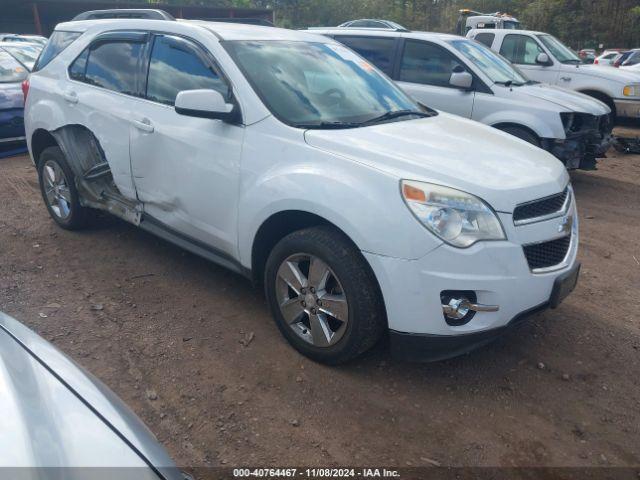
143 13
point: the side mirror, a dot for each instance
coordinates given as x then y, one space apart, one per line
463 80
543 59
204 104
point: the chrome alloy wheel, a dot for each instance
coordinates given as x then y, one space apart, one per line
312 300
56 189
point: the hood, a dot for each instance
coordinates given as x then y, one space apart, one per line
11 96
615 74
568 99
451 151
54 414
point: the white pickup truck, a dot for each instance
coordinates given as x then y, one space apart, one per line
544 58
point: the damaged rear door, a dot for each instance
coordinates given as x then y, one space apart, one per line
104 79
186 169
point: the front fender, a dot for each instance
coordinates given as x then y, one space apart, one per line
544 125
361 201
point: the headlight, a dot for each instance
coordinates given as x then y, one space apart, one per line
458 218
631 91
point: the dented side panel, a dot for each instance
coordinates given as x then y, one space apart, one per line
94 177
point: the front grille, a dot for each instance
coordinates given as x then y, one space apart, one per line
547 254
540 208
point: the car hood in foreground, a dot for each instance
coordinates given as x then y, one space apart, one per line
451 151
55 415
568 99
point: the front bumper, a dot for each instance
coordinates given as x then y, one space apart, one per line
581 148
627 108
434 348
497 272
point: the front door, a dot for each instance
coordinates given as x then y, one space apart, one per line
424 73
186 169
523 50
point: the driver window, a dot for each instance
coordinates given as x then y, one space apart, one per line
520 49
177 65
428 64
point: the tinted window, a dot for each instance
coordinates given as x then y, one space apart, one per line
56 44
79 66
520 49
378 50
486 38
178 65
633 59
114 66
427 64
10 69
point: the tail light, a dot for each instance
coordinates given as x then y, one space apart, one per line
596 61
25 89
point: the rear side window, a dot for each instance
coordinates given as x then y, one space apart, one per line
427 64
11 70
57 43
111 65
485 38
520 49
378 50
177 65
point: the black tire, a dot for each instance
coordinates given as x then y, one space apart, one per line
366 314
522 134
613 116
78 216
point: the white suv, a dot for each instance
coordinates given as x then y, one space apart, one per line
289 159
456 75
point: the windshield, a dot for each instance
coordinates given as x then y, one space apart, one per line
10 70
562 53
497 68
316 85
25 55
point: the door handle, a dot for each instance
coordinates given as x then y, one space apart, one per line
70 96
145 125
565 79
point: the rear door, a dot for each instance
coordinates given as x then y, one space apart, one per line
186 169
424 72
105 78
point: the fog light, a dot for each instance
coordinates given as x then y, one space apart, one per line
460 307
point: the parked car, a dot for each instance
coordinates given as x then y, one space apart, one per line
628 59
373 23
544 58
587 55
17 38
287 158
460 76
12 74
59 421
606 57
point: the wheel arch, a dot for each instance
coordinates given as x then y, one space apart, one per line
503 125
602 96
40 141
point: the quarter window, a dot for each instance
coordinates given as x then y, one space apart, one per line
427 64
520 49
378 50
178 65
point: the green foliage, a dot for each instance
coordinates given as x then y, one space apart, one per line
579 23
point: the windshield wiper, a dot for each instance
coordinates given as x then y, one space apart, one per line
396 114
511 83
328 125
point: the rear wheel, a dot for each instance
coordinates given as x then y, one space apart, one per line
58 188
323 295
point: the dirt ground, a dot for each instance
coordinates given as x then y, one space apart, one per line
191 348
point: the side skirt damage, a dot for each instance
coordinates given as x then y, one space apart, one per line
94 179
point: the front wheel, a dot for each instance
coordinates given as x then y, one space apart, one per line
323 295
